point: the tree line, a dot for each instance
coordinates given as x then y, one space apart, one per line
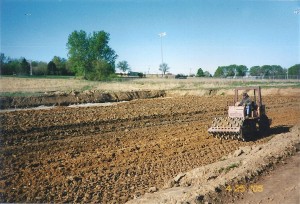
242 70
57 66
90 57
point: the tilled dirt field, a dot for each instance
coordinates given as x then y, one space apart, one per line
112 154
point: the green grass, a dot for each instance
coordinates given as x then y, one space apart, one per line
297 85
87 87
228 168
39 76
221 170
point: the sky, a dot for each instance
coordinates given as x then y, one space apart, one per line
199 33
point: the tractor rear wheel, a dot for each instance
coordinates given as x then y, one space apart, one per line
264 125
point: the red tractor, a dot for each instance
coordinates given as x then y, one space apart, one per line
243 122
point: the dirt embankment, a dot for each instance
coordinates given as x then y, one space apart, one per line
222 91
65 99
97 96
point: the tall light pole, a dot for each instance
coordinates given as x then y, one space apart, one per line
161 35
30 61
27 15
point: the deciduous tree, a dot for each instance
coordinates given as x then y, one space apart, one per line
123 66
256 71
61 67
200 73
219 72
87 53
207 74
294 70
164 68
25 67
240 70
39 68
51 68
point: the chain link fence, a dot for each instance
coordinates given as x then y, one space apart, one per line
275 77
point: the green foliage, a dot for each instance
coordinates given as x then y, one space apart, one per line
141 75
228 168
123 66
51 68
267 70
9 66
207 74
231 70
3 60
90 55
164 68
181 76
200 73
102 70
294 70
135 74
219 72
99 49
221 170
39 68
256 71
241 70
42 77
24 69
57 66
61 66
278 70
78 51
231 166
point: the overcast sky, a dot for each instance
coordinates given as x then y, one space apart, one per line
204 34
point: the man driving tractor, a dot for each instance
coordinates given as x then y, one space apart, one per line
246 101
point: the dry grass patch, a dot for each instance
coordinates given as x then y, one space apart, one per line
16 84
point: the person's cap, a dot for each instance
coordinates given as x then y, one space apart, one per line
245 94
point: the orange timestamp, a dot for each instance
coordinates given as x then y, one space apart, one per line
240 188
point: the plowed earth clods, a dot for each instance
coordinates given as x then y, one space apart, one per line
114 153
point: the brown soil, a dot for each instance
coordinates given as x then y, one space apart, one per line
236 177
113 154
